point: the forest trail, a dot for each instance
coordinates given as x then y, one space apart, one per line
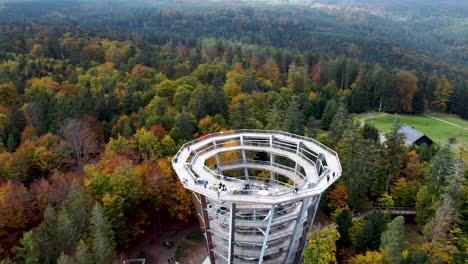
450 123
371 115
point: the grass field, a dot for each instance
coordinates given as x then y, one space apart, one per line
438 130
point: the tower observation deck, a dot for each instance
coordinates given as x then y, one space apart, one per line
256 192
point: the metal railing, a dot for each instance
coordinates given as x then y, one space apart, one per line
261 162
234 142
268 132
253 196
289 187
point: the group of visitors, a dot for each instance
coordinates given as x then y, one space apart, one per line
328 176
222 187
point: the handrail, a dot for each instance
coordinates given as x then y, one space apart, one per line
232 140
222 177
249 161
244 131
208 148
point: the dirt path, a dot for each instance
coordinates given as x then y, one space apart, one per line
195 253
371 116
450 123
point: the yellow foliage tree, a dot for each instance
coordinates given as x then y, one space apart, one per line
231 90
321 248
370 257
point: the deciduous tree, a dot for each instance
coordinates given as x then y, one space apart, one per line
370 257
442 94
321 247
404 193
408 86
424 207
15 211
338 197
81 138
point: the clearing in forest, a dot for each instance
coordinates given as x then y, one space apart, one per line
439 127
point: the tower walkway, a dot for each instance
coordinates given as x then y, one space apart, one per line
256 192
189 164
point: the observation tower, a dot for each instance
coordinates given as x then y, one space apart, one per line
256 192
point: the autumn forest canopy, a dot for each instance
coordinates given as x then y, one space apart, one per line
97 96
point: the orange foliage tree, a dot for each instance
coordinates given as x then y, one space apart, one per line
338 197
408 87
16 213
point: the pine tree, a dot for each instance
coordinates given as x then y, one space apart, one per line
341 122
358 158
330 110
393 152
294 118
102 237
275 119
312 127
218 104
425 152
67 232
27 252
184 126
456 183
369 236
424 208
370 132
83 255
45 238
442 165
77 206
419 104
65 259
393 240
343 220
240 116
200 102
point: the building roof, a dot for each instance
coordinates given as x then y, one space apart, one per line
410 135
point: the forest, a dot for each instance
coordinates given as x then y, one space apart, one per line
93 101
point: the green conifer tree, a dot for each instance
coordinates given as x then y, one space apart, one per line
102 237
393 240
83 255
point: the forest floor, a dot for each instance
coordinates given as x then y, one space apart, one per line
437 126
187 244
